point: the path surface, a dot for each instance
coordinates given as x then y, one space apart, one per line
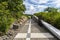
32 31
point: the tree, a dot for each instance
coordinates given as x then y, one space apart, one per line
51 9
9 11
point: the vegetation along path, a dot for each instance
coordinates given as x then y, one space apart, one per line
32 31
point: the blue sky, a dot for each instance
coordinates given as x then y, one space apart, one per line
33 6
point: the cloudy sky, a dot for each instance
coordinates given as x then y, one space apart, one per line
33 6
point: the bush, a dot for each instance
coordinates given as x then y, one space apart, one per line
56 21
52 18
9 12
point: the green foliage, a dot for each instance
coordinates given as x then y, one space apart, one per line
10 10
56 21
50 17
51 9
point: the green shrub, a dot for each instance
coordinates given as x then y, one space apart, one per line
56 21
9 12
52 18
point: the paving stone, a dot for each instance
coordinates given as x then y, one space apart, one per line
37 32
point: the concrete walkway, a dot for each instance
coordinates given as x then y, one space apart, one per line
32 31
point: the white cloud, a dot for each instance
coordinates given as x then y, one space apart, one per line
39 1
57 2
32 8
42 6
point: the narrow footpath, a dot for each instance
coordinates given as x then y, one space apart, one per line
32 31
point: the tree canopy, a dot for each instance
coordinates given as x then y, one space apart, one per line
9 11
51 9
